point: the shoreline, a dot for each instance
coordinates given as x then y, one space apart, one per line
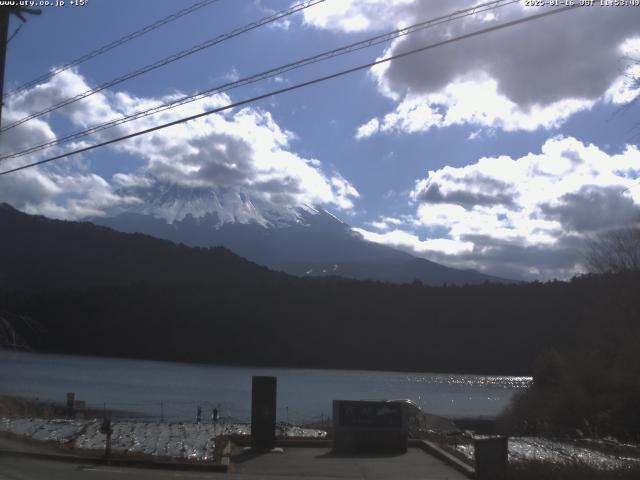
525 376
99 381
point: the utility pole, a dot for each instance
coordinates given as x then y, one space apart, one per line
5 13
4 35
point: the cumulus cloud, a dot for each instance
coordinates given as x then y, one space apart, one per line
570 55
592 208
386 223
533 75
241 159
407 241
358 15
64 190
61 195
472 101
525 217
486 191
367 129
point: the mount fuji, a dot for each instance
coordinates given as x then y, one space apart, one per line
303 240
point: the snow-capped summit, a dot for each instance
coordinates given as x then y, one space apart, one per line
173 203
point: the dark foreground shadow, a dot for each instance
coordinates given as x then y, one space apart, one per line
252 454
248 456
374 454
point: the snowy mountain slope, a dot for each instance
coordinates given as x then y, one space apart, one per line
301 241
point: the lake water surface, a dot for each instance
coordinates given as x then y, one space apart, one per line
175 390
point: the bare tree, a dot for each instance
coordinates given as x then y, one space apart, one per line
614 251
10 325
632 83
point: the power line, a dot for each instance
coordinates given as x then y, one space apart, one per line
167 60
15 32
110 46
266 74
376 40
301 85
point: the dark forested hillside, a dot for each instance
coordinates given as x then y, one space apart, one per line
37 252
95 291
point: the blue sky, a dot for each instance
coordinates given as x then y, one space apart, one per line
502 153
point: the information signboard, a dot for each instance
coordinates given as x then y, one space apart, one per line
369 425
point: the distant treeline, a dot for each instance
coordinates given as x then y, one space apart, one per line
99 292
336 323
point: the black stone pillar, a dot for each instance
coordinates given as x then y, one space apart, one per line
263 412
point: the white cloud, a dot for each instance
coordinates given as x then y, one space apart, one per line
357 15
473 102
526 216
533 75
626 88
575 54
368 129
411 242
70 196
242 157
385 223
64 190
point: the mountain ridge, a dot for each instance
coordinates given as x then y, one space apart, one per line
310 243
40 252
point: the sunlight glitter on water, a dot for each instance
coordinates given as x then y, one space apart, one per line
175 390
475 380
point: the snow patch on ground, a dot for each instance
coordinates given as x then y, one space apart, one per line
536 448
187 441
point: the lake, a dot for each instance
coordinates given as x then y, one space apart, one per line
175 390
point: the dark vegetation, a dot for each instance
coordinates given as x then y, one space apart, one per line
20 407
25 407
545 470
591 390
99 292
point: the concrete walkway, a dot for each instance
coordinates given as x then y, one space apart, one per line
306 463
25 459
320 463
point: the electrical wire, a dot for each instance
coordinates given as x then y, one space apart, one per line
501 26
15 32
167 60
110 46
367 43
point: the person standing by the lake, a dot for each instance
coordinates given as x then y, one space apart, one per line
199 414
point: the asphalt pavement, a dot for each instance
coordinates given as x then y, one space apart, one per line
300 462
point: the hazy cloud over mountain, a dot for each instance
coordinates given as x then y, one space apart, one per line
243 154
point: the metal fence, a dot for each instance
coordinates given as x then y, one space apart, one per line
185 411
